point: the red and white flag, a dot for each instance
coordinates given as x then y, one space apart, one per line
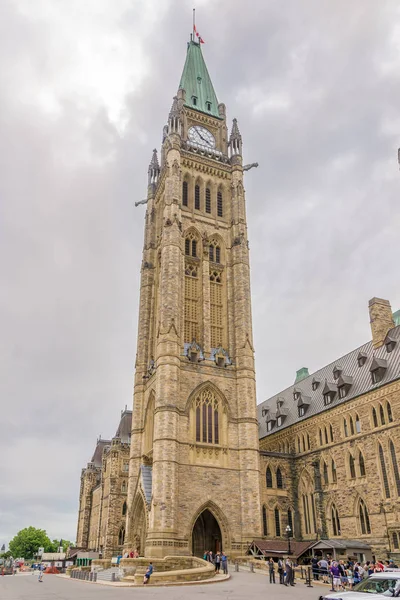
201 41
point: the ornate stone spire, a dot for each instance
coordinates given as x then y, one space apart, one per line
174 122
235 140
154 168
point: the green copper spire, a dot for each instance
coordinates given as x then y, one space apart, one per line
196 82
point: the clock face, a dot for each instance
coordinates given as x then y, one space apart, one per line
201 137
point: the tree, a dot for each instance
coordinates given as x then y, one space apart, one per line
5 554
65 544
27 542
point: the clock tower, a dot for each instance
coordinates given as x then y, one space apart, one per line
194 463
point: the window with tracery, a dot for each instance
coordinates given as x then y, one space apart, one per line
333 470
207 418
215 252
382 414
389 412
363 516
121 536
352 467
395 466
268 477
191 325
216 306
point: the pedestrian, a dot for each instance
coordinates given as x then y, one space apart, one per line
148 574
342 570
205 555
271 567
281 571
40 578
323 569
350 576
315 568
217 562
336 579
357 576
224 562
392 564
289 572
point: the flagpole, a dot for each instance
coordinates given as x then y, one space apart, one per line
194 25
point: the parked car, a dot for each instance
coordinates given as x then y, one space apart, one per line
378 585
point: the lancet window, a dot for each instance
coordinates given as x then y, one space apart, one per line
363 516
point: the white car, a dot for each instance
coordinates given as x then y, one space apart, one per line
386 584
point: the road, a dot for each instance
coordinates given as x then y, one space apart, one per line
241 585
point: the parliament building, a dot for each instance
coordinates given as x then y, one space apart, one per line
197 465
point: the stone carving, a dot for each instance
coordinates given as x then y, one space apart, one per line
141 202
250 166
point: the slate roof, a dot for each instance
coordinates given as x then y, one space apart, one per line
280 547
124 428
361 383
98 452
341 544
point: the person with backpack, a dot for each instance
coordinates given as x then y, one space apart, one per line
281 571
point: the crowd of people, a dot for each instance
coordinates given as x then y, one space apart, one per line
346 574
285 571
219 559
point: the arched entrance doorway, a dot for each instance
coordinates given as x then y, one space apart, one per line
206 534
139 525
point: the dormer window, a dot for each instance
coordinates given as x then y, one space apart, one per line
378 369
269 425
279 421
302 405
337 370
390 343
315 384
361 358
302 410
344 384
194 100
296 394
329 393
208 105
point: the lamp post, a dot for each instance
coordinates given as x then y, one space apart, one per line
288 532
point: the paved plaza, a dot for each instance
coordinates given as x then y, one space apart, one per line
241 585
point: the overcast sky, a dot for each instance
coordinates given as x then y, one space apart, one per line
85 91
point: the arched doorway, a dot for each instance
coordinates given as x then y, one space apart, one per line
206 534
139 525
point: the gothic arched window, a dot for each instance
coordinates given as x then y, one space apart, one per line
121 536
326 436
185 193
197 196
374 418
395 540
268 477
290 519
395 466
308 442
335 521
351 426
277 522
265 521
124 509
331 432
207 417
191 329
220 209
384 472
325 472
358 424
320 437
361 464
333 470
352 468
208 200
346 432
363 516
216 306
279 479
382 414
389 412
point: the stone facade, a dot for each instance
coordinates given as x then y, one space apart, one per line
103 493
206 470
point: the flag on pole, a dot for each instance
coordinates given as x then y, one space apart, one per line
201 41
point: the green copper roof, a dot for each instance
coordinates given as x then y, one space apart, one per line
196 82
301 374
396 317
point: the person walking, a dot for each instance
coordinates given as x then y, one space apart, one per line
336 579
271 567
350 576
281 571
148 574
224 562
315 568
40 578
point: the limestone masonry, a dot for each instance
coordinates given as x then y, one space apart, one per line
196 465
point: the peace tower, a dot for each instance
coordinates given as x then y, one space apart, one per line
194 481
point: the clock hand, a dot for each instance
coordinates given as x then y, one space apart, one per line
204 140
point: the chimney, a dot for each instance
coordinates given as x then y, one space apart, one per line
381 319
301 374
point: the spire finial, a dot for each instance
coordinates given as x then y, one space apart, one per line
235 140
154 168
